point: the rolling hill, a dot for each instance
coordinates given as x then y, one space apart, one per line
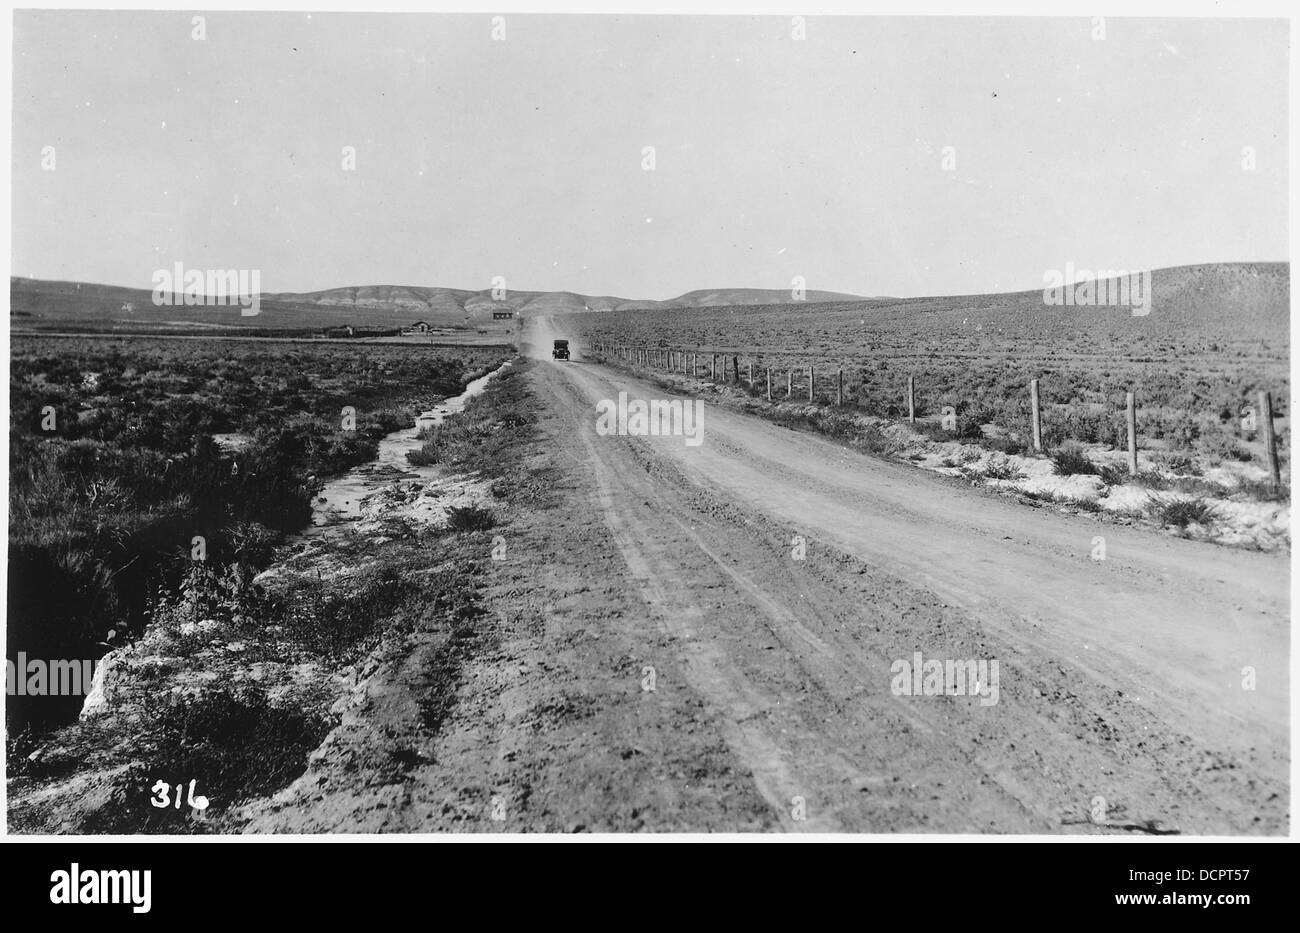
1251 297
37 304
533 302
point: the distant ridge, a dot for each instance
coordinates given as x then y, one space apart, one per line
41 303
1249 293
559 302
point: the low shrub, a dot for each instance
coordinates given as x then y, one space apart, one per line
1002 468
1112 475
469 518
1070 460
1007 445
1181 512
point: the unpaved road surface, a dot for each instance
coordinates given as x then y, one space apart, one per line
1123 683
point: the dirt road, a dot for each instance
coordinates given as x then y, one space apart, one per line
664 655
1122 678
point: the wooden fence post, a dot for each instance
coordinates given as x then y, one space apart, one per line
839 388
1037 415
1132 434
713 368
789 383
911 399
751 374
812 381
735 369
1270 439
769 383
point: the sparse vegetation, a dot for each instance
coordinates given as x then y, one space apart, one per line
956 348
129 459
184 703
1263 491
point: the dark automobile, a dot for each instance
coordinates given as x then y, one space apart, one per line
561 351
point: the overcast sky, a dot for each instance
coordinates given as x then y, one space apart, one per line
523 158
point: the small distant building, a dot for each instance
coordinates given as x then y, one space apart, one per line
419 327
503 315
344 331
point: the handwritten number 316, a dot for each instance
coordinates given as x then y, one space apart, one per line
163 800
